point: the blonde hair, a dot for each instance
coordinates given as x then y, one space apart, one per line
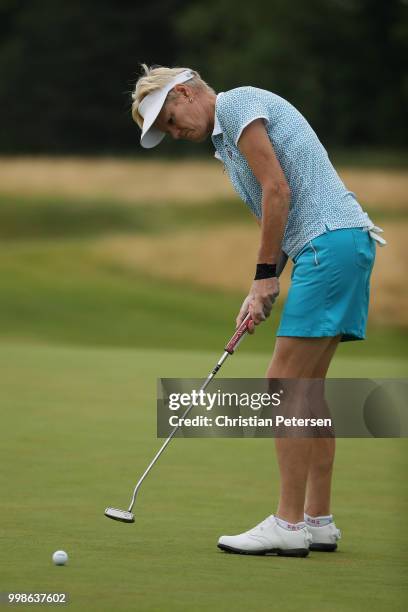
156 78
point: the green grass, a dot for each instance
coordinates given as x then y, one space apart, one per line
78 428
23 218
82 343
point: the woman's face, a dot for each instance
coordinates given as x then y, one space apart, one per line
186 120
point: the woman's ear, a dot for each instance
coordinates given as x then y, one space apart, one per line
183 90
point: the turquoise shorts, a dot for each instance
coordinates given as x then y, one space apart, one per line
330 287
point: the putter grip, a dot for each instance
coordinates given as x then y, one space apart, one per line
237 337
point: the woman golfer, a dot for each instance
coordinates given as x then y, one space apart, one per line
280 169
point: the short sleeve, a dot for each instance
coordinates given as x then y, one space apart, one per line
238 107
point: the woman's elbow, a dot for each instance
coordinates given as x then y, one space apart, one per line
278 190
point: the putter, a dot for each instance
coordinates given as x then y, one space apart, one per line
127 516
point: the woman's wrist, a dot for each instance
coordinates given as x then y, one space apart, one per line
265 270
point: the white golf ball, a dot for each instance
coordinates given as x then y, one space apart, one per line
60 557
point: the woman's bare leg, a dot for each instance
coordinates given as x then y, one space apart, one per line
319 479
297 358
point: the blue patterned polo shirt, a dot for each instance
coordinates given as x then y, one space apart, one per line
319 199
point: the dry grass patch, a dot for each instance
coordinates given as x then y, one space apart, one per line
135 181
221 258
378 188
224 259
389 294
110 178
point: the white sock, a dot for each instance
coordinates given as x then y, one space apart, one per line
290 526
318 521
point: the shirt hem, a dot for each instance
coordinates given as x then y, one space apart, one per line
327 227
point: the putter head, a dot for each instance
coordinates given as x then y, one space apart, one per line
120 515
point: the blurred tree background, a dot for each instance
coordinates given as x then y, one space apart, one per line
67 69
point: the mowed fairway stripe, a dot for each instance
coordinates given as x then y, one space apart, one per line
78 428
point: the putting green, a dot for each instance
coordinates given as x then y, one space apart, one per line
78 428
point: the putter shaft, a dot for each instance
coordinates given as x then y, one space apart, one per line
174 431
229 349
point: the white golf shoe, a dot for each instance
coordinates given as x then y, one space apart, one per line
266 538
324 539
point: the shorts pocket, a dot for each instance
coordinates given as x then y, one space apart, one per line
364 254
303 250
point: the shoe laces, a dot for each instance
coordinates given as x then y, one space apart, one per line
265 523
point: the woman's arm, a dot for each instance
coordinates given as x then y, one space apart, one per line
256 146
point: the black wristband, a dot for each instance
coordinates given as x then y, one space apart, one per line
265 270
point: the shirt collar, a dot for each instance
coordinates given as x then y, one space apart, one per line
217 128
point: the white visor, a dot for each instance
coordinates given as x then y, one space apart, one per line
151 106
